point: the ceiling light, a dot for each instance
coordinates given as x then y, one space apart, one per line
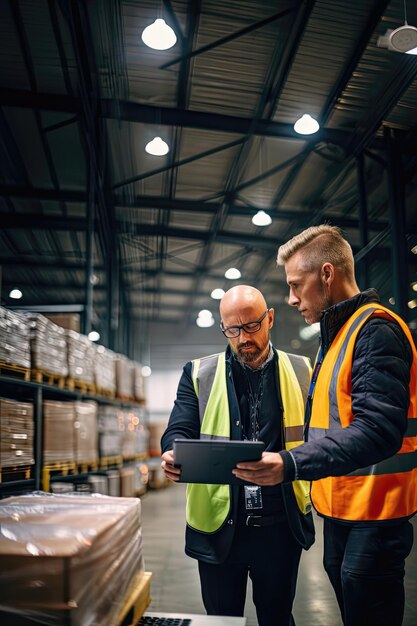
309 332
157 147
146 371
232 273
16 294
414 250
94 335
205 314
159 35
217 294
413 286
306 125
412 304
204 322
413 51
403 39
261 219
391 300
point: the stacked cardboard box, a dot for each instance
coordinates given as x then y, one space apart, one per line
156 430
81 355
59 437
86 432
16 433
14 339
104 370
111 428
68 558
138 382
124 377
48 345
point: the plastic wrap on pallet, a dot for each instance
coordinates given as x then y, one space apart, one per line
138 382
104 370
81 355
124 377
86 432
59 437
14 339
68 558
48 346
111 427
16 433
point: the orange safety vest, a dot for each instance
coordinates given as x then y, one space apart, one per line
386 490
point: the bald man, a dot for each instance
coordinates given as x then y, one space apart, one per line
239 530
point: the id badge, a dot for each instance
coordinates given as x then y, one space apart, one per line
253 497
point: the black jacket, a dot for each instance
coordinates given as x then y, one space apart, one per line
380 398
185 422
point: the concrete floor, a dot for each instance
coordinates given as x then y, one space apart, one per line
175 583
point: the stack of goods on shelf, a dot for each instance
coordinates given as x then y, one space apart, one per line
124 378
14 339
16 433
156 430
59 438
86 432
104 371
69 559
48 346
81 355
69 321
135 435
110 431
138 382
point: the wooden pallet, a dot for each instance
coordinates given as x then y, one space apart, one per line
49 378
111 461
15 472
57 469
136 601
85 467
14 371
108 393
80 385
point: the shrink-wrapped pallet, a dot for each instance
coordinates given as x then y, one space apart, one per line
156 430
81 354
14 339
111 427
59 437
138 382
68 559
48 345
124 377
104 370
86 432
16 433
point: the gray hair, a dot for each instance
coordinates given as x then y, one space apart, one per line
319 245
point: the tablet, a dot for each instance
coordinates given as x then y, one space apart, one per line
208 461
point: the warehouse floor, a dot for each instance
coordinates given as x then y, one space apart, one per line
175 583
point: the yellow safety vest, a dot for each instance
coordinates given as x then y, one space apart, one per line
208 506
386 490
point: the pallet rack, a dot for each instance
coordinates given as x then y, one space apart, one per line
38 476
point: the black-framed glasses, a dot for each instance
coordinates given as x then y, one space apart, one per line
251 327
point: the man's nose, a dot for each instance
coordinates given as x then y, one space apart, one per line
292 299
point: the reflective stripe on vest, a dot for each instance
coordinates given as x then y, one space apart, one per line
208 506
385 490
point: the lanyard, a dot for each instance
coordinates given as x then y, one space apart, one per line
254 406
316 371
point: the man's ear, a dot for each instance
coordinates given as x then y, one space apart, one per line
271 314
327 273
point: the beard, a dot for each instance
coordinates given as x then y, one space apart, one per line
248 357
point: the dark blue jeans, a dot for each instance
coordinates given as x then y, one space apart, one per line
270 556
365 565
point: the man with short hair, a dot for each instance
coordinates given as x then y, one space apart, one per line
361 436
257 393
